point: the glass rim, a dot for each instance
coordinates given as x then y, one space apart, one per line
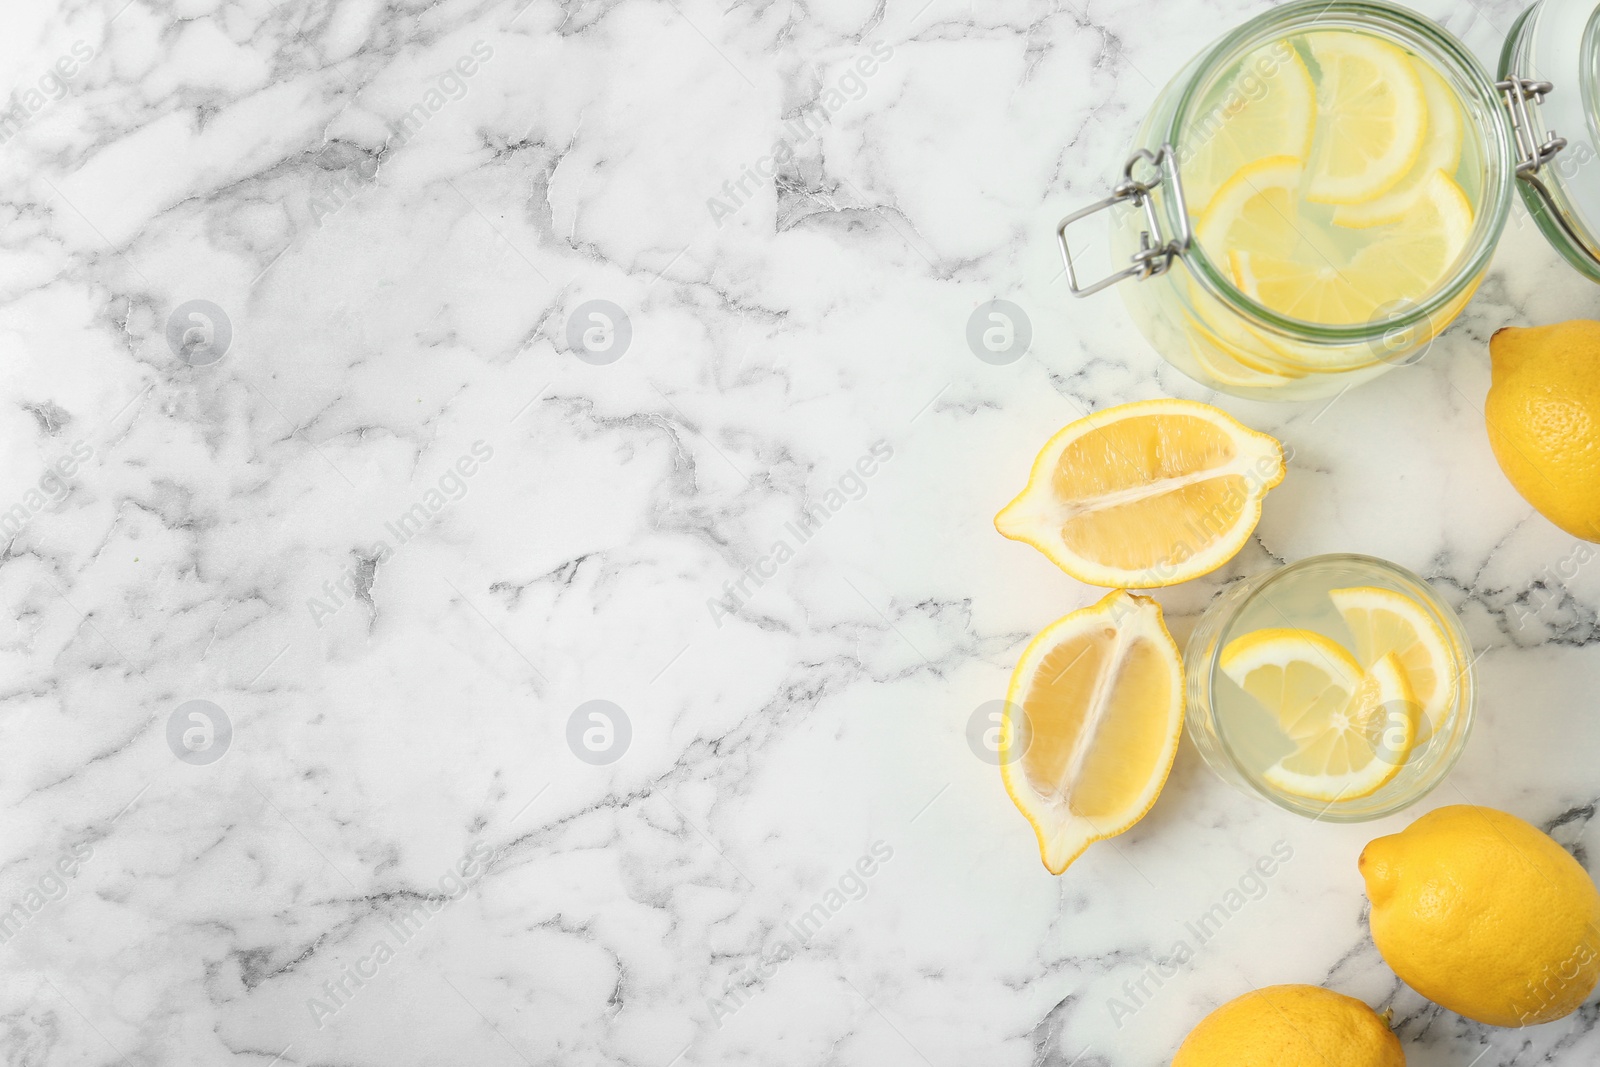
1500 173
1466 690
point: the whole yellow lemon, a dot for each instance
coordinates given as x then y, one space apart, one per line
1543 413
1290 1025
1486 915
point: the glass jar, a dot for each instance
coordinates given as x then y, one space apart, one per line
1540 50
1236 742
1184 298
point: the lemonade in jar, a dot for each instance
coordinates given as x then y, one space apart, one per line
1317 195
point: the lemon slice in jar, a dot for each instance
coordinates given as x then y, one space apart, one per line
1415 253
1372 118
1226 349
1404 261
1441 150
1255 230
1255 209
1267 108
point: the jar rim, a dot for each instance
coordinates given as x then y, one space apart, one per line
1439 46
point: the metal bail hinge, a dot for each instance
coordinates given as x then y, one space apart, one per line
1155 256
1521 96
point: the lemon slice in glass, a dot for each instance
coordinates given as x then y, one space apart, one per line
1352 730
1371 118
1384 621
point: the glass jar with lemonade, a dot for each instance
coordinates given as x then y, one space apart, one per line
1317 195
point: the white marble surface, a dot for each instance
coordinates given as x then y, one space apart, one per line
387 732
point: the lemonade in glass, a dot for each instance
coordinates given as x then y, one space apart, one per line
1340 687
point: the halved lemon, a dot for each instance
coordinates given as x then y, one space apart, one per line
1352 730
1383 621
1371 118
1441 150
1407 259
1091 725
1267 108
1145 494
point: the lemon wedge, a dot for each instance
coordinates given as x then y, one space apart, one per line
1383 621
1091 726
1145 494
1352 730
1371 118
1441 151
